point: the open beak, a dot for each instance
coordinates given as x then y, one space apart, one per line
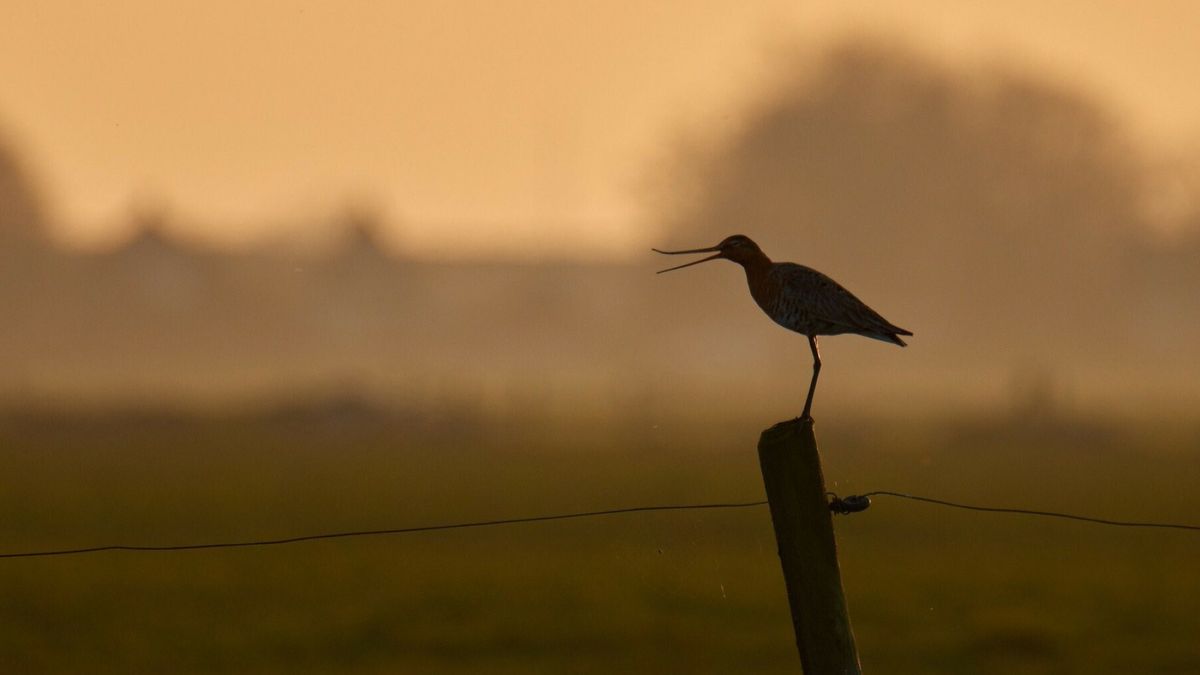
694 262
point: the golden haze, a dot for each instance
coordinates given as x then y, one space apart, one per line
519 128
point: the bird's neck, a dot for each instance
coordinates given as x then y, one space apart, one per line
757 265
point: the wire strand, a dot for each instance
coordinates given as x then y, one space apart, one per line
862 500
1031 512
376 533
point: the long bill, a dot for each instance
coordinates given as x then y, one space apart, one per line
694 262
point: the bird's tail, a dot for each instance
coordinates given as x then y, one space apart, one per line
892 337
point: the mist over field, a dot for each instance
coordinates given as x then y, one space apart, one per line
1005 220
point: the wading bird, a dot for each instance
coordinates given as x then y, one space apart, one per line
799 298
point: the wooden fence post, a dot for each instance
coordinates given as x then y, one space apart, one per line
791 468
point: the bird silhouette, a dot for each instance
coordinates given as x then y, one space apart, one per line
800 299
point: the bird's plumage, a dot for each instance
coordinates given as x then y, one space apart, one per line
804 300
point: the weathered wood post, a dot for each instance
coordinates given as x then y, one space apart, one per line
791 468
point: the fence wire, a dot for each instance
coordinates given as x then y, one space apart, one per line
850 504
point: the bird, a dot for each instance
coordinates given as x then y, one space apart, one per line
800 299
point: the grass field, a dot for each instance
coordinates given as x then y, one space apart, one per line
930 590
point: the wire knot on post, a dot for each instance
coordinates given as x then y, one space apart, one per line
851 504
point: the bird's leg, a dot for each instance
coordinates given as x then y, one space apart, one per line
812 386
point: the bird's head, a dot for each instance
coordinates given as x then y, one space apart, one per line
739 248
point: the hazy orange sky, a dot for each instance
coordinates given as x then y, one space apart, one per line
479 126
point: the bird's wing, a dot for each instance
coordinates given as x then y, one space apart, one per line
829 301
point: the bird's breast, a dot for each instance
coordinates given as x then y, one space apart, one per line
768 295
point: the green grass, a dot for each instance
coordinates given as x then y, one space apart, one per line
930 590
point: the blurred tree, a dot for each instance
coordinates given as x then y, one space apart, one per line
972 190
22 218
